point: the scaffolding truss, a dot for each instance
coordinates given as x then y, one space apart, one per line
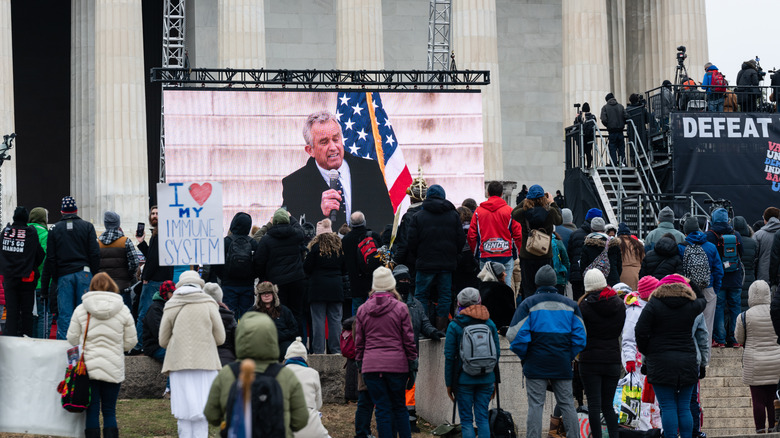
439 19
173 55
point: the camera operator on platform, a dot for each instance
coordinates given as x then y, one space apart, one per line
747 86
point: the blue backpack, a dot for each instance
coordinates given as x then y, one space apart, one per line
727 247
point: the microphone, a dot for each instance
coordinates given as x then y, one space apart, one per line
333 174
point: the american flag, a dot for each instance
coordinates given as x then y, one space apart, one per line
369 134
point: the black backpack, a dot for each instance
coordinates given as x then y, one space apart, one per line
267 403
501 423
238 263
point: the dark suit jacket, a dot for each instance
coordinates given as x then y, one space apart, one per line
302 192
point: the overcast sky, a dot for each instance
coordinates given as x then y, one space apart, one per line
738 31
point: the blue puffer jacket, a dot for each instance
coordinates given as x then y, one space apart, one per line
716 266
547 337
476 314
731 280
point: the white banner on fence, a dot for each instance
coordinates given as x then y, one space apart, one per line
30 370
190 223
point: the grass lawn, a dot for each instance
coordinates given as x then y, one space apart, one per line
147 418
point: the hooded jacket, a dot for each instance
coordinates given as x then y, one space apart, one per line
716 266
493 232
547 333
663 228
537 218
761 359
594 245
111 332
72 246
707 80
613 116
749 246
256 339
190 331
574 250
664 335
663 260
384 338
21 252
731 280
764 239
604 315
747 78
239 228
435 236
280 255
476 314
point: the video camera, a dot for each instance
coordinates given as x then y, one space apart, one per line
761 72
681 56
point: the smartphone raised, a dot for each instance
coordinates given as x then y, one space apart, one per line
139 232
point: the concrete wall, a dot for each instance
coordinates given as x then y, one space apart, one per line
530 57
300 34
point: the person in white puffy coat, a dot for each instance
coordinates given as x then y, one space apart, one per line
110 333
296 360
635 303
761 359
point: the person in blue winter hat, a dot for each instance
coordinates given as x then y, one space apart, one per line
729 301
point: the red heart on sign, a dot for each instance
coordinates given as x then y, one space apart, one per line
200 193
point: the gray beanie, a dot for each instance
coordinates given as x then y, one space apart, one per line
567 216
111 220
691 225
597 224
468 297
214 291
545 276
666 215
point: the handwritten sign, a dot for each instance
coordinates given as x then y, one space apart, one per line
190 224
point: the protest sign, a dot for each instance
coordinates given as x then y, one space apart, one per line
190 224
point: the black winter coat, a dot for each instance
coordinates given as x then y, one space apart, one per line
747 79
239 226
436 236
401 248
594 245
499 300
603 313
226 351
749 247
662 260
664 335
534 219
421 324
574 250
286 328
72 245
280 255
326 282
21 252
152 269
359 281
613 116
151 340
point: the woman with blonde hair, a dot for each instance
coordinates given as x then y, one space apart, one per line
190 330
325 267
537 212
267 301
108 326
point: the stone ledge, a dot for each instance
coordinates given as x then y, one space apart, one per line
142 378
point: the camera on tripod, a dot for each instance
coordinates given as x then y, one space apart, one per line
761 72
681 56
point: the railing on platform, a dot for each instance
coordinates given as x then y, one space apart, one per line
684 205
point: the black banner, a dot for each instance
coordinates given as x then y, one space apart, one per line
734 156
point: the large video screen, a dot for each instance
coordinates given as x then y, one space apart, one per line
367 146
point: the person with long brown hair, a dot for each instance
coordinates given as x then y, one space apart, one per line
632 252
537 212
108 326
326 268
267 301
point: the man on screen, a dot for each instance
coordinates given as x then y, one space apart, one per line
317 192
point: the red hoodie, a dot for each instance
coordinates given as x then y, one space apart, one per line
492 230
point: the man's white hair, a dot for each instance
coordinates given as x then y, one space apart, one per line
318 117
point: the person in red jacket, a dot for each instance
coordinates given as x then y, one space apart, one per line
493 231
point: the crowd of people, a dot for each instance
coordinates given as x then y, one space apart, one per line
582 306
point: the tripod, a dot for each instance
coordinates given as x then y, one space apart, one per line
680 72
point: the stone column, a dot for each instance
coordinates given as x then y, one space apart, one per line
8 169
616 14
82 107
359 35
586 56
475 43
241 30
120 164
685 23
